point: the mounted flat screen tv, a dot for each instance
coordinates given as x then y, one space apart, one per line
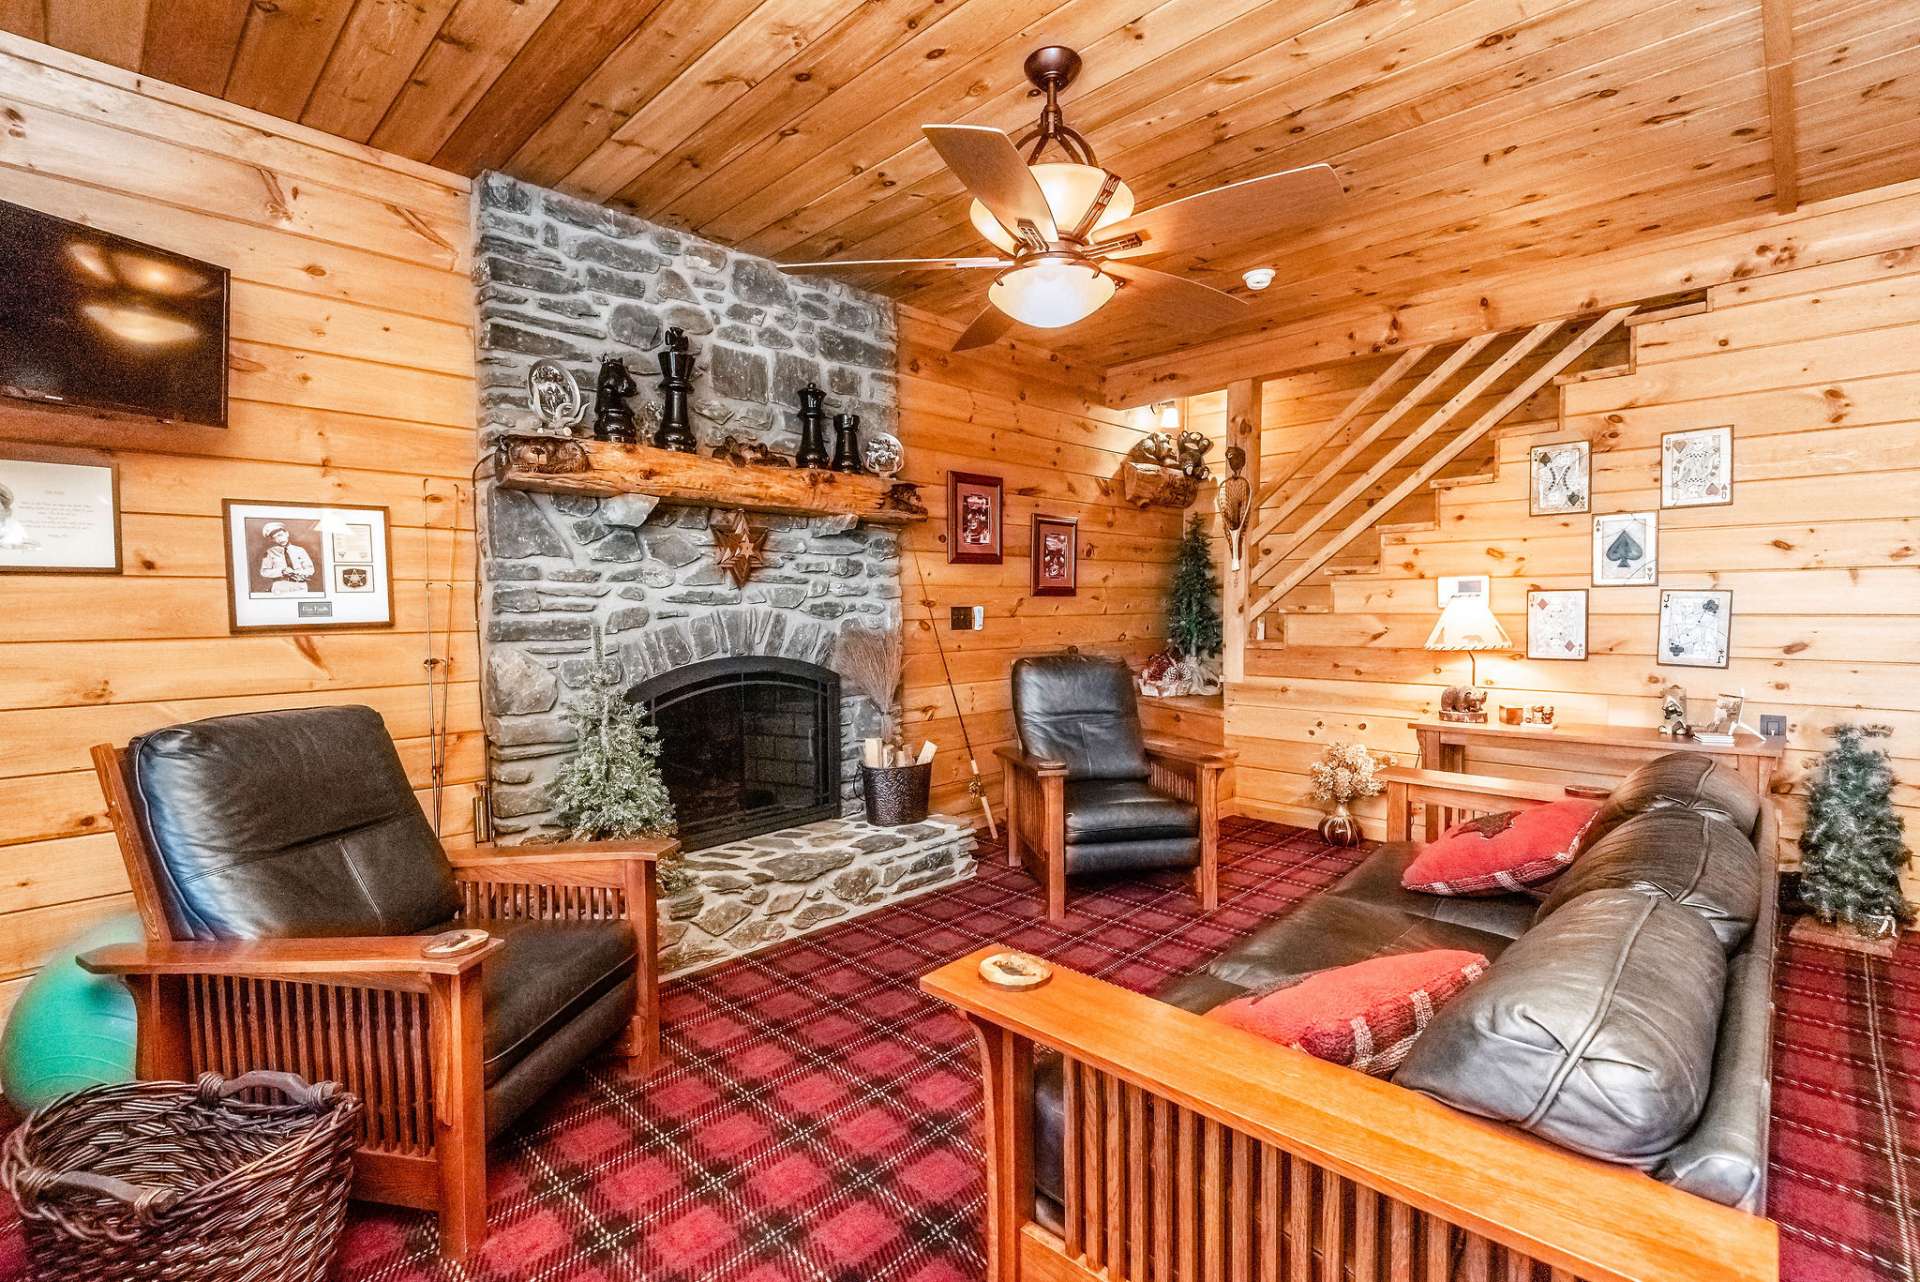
92 319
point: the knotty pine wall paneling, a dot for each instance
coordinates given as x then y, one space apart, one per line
1034 420
1817 369
351 370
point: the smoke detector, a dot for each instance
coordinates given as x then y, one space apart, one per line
1258 278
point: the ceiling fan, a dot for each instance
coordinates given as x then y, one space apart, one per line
1063 228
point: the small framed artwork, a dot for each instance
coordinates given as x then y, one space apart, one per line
1695 627
296 567
976 519
1625 549
1696 468
1557 624
1056 555
1562 478
59 512
1449 586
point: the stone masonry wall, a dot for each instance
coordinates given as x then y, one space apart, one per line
558 277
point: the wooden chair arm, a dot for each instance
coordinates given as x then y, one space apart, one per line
313 959
1593 1219
1039 767
561 854
1190 753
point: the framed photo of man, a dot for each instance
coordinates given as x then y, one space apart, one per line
295 567
976 519
59 512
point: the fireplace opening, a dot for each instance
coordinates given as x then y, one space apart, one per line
747 745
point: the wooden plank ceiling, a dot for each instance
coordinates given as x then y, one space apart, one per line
1469 133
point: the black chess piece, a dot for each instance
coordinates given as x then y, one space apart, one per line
612 416
813 428
846 443
676 385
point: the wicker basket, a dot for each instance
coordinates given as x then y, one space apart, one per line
896 794
176 1182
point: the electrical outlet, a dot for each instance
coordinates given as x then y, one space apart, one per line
967 618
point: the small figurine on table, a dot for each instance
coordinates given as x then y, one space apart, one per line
1673 713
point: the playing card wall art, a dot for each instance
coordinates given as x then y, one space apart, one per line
975 519
1694 628
1625 551
1562 478
292 567
1696 468
1557 624
1056 555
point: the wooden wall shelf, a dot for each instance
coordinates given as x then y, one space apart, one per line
569 465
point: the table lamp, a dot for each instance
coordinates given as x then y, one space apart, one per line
1467 624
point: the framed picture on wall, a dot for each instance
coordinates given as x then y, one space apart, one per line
1696 468
976 519
1695 628
1626 549
1056 555
59 512
1562 478
295 567
1557 624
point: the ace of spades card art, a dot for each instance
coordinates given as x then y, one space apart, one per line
1625 549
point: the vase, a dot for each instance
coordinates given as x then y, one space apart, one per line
1340 828
896 795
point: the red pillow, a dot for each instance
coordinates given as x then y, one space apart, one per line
1513 850
1364 1016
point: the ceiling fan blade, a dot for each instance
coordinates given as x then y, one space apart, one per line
987 164
1181 302
987 327
900 264
1234 212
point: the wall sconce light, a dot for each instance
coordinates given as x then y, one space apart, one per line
1169 414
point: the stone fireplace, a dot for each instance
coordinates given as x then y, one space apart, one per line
761 742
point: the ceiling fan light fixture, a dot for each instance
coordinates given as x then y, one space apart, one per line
1070 190
1048 293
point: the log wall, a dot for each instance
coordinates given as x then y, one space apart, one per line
1818 371
351 367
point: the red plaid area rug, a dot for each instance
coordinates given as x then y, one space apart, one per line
817 1119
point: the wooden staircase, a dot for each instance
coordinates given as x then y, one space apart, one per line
1428 421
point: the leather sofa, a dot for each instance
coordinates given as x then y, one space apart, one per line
1627 1015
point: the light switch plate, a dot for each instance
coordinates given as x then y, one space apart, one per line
1773 725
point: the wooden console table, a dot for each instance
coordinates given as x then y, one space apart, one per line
1608 751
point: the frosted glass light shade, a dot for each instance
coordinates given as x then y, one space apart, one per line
1051 293
1069 190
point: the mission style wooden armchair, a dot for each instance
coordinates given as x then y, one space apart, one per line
287 882
1086 793
1197 1152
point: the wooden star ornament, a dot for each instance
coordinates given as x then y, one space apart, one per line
739 548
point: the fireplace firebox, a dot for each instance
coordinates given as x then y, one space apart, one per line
748 745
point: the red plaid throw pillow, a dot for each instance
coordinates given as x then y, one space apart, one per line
1364 1016
1498 854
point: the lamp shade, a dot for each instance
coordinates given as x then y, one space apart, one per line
1048 293
1070 191
1467 624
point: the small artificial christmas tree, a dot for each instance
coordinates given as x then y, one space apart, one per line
611 787
1851 852
1193 610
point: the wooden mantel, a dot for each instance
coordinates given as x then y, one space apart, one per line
569 465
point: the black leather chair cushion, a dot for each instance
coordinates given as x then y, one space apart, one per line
1125 809
1081 710
543 1066
1725 1157
1377 881
281 824
1144 855
1689 856
1595 1029
1331 931
548 973
1679 780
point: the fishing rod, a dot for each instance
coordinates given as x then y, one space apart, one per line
976 786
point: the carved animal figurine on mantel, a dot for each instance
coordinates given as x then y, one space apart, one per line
1193 449
1154 475
741 452
905 497
547 455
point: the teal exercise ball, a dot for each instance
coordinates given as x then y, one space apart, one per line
70 1029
